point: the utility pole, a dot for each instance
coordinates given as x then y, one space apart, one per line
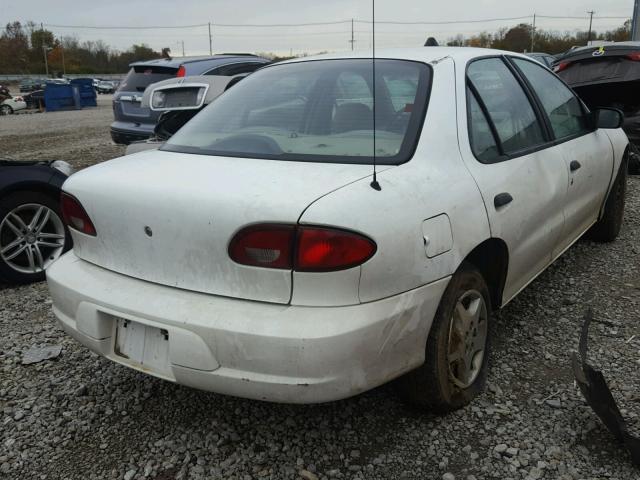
44 50
352 41
210 41
183 48
533 32
635 21
590 24
64 70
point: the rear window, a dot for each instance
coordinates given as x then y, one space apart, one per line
140 77
318 111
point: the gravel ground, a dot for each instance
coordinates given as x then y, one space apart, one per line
81 417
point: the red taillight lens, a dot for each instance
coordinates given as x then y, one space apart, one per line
326 249
304 249
269 246
182 72
74 215
634 56
561 66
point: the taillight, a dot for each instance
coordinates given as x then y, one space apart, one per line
269 246
182 72
634 56
303 248
561 66
75 216
325 249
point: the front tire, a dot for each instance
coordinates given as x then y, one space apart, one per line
32 236
608 227
6 110
457 350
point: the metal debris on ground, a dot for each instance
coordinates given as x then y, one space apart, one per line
595 390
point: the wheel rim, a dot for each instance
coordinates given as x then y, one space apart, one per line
5 109
32 237
467 338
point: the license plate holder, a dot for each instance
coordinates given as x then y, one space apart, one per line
145 346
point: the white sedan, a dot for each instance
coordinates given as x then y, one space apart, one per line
12 105
256 254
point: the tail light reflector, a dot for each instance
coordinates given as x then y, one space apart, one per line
635 56
303 249
75 216
182 72
326 249
561 66
269 246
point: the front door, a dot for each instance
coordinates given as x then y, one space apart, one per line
587 154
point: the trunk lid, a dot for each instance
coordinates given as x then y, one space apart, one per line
168 217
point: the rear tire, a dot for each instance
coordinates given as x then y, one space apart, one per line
608 227
440 385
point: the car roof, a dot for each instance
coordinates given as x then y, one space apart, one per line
416 54
177 61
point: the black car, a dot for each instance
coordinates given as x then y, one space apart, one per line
608 76
32 231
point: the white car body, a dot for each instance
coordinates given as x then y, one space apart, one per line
306 337
16 104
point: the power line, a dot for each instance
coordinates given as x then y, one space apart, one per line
338 22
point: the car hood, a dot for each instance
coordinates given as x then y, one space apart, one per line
193 205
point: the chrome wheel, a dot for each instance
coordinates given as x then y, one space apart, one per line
32 236
467 338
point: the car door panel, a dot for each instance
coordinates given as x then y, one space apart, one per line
521 175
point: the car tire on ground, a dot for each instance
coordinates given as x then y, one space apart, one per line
6 110
48 230
607 228
457 350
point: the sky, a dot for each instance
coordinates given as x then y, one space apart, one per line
63 17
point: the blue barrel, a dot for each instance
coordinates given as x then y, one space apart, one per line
87 92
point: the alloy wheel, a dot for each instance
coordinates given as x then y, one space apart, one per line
467 338
32 236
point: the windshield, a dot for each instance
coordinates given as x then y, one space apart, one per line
315 111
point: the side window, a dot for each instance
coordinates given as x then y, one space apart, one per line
234 69
508 106
483 143
561 105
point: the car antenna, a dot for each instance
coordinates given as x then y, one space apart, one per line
374 183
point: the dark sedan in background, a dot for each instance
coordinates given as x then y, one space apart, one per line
136 122
32 233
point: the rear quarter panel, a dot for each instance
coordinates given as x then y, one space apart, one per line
434 182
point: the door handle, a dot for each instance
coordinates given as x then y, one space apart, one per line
502 199
574 165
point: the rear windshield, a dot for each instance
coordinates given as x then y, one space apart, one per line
140 77
318 111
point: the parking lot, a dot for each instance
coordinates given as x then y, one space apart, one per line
79 416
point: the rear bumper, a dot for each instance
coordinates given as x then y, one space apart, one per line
249 349
124 133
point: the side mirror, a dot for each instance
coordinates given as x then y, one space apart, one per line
608 118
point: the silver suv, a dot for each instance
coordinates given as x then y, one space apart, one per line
135 122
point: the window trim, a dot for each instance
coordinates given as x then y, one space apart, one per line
550 140
555 140
496 138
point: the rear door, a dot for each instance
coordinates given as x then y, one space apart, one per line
521 175
587 153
